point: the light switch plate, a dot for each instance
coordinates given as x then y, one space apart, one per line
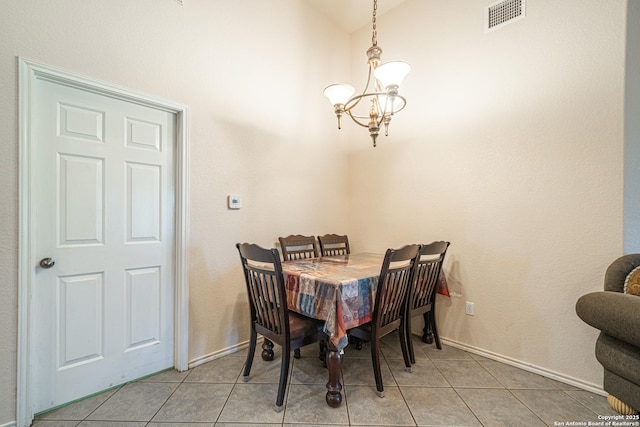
234 202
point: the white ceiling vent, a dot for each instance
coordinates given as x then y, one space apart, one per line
503 12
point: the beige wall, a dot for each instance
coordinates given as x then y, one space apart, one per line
511 147
252 73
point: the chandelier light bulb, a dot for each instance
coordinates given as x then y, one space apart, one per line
339 94
391 74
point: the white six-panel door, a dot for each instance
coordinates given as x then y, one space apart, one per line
103 189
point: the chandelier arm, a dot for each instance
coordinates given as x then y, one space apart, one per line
356 121
358 98
364 91
357 101
356 118
404 104
348 107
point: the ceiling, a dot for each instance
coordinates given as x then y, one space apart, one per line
352 14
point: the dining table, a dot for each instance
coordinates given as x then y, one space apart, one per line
340 290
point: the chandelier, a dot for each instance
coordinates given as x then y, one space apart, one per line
383 98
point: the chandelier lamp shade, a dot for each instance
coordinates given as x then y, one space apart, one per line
380 93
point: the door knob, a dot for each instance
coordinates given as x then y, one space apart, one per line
47 263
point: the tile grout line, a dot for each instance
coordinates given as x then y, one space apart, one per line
527 406
169 397
464 401
100 405
505 388
415 422
240 374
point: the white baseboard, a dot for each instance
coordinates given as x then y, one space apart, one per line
594 388
220 353
9 424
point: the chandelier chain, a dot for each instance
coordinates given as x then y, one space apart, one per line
374 36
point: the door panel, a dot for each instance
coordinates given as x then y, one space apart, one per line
80 122
80 320
143 307
103 206
144 215
143 135
81 195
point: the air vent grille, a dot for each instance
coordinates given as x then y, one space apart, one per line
503 12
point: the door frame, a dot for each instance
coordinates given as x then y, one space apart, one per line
29 73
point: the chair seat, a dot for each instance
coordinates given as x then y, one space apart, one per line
301 328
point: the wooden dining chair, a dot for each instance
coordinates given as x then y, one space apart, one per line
333 244
298 247
389 311
270 315
422 298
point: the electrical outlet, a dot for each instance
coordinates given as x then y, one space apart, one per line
468 309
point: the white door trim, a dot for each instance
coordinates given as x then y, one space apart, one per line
29 72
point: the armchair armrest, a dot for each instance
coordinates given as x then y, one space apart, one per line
618 270
613 313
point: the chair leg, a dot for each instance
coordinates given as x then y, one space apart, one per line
267 350
375 358
434 328
404 344
427 335
252 350
412 356
357 342
323 352
284 375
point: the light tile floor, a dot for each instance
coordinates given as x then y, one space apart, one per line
447 387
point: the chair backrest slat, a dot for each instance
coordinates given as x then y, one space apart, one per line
333 245
268 300
298 247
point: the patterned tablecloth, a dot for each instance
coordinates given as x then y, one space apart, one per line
340 290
